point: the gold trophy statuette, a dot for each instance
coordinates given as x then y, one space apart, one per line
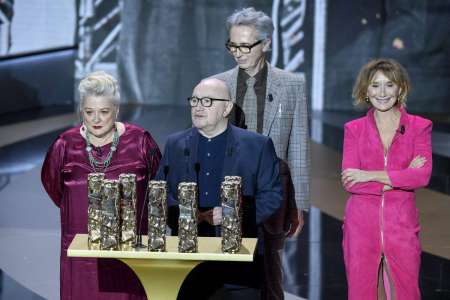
110 229
187 222
94 209
157 215
231 197
127 210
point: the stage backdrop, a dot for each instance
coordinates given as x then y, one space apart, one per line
161 49
415 32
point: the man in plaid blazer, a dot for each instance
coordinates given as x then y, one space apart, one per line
274 104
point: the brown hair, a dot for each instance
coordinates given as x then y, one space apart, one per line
391 69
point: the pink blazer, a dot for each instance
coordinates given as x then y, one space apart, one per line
363 150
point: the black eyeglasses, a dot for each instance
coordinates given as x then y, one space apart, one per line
205 101
242 48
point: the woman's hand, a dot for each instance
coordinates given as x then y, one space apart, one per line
387 188
351 176
417 162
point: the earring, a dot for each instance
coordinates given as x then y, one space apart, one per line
366 99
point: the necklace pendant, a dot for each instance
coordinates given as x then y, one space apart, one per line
101 165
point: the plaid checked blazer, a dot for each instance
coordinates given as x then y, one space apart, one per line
286 122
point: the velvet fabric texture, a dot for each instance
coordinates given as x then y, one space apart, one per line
64 177
380 223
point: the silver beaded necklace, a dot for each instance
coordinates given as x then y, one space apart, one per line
102 165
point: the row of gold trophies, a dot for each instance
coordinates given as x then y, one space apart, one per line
112 214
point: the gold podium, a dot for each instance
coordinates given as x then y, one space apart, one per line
162 273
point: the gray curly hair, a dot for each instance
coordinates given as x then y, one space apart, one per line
250 17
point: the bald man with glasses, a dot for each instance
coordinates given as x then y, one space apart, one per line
206 153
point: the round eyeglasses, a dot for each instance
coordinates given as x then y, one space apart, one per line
205 101
233 48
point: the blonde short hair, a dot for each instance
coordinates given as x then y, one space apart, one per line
99 83
391 69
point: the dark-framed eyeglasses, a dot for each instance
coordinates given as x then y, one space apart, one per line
205 101
232 48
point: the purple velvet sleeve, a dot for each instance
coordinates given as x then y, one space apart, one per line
52 169
152 154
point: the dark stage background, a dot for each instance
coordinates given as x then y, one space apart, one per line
161 49
165 48
414 32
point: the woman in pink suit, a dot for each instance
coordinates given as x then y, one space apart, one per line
387 156
100 144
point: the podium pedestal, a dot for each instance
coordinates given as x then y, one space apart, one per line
162 273
162 279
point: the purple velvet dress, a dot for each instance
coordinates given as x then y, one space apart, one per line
64 176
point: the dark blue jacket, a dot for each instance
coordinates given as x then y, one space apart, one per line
249 155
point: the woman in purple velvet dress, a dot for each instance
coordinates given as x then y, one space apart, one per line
100 144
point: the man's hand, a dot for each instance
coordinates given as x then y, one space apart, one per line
217 215
297 222
212 216
205 216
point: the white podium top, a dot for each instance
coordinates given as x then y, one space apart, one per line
209 248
